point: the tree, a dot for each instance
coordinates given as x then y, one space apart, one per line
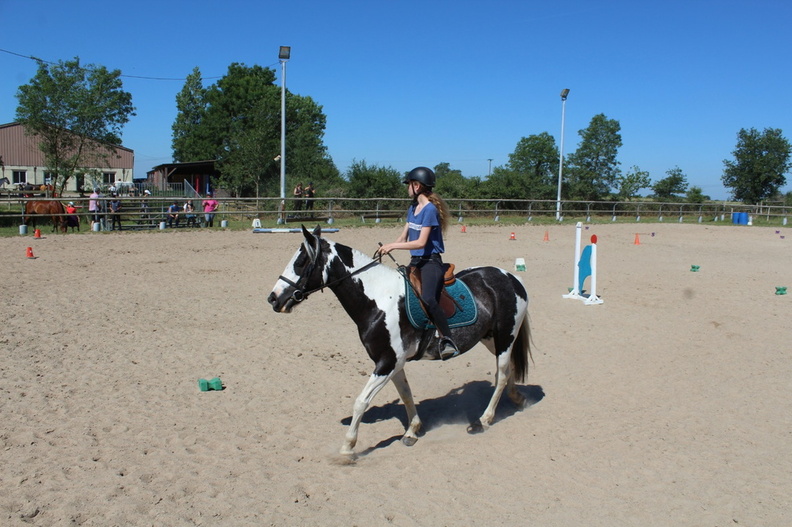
236 122
78 112
188 144
760 162
668 188
373 182
593 168
450 182
696 195
530 172
630 184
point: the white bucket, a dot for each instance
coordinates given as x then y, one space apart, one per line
162 225
23 229
97 226
224 224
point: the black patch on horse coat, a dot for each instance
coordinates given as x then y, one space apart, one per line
369 319
346 254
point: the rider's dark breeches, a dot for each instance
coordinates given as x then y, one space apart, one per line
431 287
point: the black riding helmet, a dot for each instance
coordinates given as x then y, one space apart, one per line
421 175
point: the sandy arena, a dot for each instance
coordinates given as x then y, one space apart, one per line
669 404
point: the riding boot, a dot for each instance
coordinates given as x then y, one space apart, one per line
448 349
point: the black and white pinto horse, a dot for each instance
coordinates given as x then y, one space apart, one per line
373 295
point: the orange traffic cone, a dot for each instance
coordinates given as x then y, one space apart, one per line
464 229
512 237
37 233
637 239
30 253
547 236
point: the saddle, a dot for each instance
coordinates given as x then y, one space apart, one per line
456 300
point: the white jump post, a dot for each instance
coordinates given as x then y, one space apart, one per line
575 292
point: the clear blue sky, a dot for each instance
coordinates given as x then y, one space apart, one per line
406 83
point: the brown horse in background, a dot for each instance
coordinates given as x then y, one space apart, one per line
45 208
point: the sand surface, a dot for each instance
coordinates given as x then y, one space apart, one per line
669 404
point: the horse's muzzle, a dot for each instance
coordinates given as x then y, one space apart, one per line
278 306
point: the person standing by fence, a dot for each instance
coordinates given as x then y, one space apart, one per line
309 194
115 212
298 196
209 206
93 206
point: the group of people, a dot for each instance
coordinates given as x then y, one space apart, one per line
101 209
304 196
175 211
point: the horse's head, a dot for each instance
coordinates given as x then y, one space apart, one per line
303 275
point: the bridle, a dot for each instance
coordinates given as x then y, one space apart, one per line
301 294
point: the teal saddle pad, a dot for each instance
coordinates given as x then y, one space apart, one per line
466 311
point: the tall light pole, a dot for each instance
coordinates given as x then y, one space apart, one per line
564 94
283 56
489 171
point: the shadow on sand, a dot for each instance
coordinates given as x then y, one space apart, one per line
461 405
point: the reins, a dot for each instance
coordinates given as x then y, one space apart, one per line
299 294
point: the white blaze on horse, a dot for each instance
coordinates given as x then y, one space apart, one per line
373 295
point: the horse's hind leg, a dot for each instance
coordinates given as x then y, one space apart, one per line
519 400
414 427
502 376
373 386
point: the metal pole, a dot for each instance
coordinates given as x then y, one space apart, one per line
564 94
283 140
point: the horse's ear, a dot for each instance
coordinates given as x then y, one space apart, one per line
311 244
317 231
308 236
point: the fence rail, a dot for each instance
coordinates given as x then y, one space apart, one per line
332 208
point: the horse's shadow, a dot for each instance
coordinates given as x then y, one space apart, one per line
461 405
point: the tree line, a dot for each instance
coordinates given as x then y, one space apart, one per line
236 123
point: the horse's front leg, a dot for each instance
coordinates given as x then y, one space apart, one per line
373 386
414 422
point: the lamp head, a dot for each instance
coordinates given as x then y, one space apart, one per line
564 93
285 52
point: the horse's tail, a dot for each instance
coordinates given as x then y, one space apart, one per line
521 350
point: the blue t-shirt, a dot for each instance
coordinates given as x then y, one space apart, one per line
428 217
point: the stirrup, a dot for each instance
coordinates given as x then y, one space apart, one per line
448 349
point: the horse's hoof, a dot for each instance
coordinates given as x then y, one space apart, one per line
475 428
521 403
345 458
409 441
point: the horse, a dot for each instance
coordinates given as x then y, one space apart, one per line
373 295
54 209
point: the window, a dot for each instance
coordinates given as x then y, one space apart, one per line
19 177
108 178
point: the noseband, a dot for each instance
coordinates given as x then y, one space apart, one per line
300 293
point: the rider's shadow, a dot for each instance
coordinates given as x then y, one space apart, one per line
461 405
